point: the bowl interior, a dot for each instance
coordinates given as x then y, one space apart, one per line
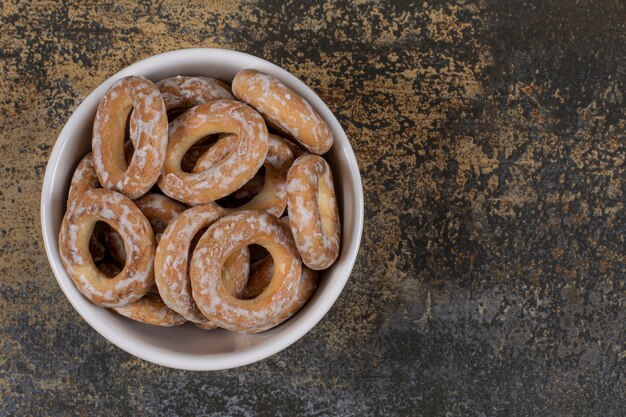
187 347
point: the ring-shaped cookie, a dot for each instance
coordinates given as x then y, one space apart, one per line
230 173
172 259
225 237
183 92
139 97
273 196
284 109
111 207
313 211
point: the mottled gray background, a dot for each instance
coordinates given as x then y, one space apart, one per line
491 139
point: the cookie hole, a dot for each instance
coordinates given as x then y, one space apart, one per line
208 140
273 129
127 126
109 270
195 239
96 245
257 253
172 114
196 151
129 149
261 273
107 249
246 193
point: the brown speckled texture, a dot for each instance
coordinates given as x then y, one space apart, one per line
491 138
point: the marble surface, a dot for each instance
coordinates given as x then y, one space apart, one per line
491 139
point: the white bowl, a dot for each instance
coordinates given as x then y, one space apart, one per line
186 347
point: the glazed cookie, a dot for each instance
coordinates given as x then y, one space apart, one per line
231 172
141 99
313 211
118 211
284 109
227 236
182 92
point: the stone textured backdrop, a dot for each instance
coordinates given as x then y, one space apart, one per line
491 139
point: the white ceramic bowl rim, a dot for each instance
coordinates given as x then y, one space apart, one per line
221 60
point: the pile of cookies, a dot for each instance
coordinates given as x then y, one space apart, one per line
189 209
